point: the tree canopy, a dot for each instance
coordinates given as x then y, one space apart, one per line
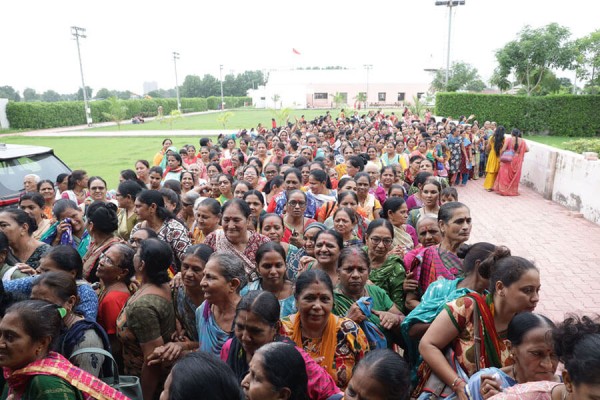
462 76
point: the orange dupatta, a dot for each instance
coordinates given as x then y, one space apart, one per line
328 343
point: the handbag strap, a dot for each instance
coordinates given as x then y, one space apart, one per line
97 350
476 335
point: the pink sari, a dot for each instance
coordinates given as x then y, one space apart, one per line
509 174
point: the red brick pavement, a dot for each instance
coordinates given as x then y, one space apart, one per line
565 248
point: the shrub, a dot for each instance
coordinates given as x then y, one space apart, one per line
582 145
560 115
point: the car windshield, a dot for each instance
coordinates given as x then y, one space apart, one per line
12 171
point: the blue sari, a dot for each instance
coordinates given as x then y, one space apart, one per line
210 335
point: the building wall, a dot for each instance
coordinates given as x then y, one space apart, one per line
564 177
390 90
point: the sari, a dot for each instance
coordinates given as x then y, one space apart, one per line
92 257
541 390
210 335
320 384
492 166
56 365
287 306
67 239
509 174
342 345
433 263
403 238
185 312
390 277
218 241
474 383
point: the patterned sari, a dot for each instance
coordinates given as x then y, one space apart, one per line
433 263
56 365
218 241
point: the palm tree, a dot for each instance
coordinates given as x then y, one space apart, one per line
361 97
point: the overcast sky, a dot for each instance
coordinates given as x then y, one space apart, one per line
130 41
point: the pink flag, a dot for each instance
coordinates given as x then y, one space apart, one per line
295 51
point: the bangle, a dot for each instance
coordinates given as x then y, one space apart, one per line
456 381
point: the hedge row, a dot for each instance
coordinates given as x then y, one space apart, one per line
560 115
40 115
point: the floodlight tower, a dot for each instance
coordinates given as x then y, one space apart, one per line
450 4
77 33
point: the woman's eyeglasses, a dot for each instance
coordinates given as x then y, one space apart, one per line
387 242
295 204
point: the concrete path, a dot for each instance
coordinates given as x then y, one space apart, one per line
565 248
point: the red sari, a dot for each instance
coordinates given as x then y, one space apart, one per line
509 174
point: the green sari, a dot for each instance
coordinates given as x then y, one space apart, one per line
390 277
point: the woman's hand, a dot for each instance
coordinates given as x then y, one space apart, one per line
304 262
26 269
410 284
297 240
355 313
489 386
397 251
134 285
460 391
167 353
387 319
177 281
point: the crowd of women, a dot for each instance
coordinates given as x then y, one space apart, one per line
323 260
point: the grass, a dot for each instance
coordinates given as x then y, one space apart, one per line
554 141
103 156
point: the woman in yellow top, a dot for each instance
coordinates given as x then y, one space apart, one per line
158 157
493 149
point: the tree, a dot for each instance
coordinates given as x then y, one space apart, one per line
361 98
462 76
79 94
339 99
29 94
104 93
533 53
224 117
117 111
50 96
587 62
210 86
8 92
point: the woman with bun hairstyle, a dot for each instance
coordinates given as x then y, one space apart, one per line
18 226
514 288
102 223
577 346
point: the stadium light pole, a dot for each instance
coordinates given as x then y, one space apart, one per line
449 4
368 68
221 79
78 32
175 58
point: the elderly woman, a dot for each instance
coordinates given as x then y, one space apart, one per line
337 342
147 320
48 191
395 211
19 226
292 179
257 324
234 238
514 288
32 369
433 262
328 245
127 192
33 204
208 218
353 270
69 228
115 270
187 213
151 212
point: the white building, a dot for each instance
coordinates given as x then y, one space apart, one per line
317 88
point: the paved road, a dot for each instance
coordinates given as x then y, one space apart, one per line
565 248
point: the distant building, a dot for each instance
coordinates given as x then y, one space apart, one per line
317 89
150 86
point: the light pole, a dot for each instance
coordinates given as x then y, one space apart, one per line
368 68
78 32
449 4
221 79
175 58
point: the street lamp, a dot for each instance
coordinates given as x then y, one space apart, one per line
78 32
221 79
368 68
449 4
175 58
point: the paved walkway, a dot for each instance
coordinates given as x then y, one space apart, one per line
565 248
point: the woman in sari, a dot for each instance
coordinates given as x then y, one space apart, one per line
235 238
476 279
33 204
388 178
76 187
328 245
454 220
148 319
19 226
430 193
272 226
349 199
531 347
509 173
69 228
493 150
415 199
395 211
351 291
455 143
48 191
31 369
102 222
366 200
317 182
344 220
127 218
174 167
514 288
337 343
257 324
273 277
294 220
208 217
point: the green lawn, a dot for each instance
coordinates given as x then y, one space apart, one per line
103 156
554 141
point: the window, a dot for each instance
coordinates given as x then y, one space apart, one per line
320 96
420 94
401 96
263 98
381 96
